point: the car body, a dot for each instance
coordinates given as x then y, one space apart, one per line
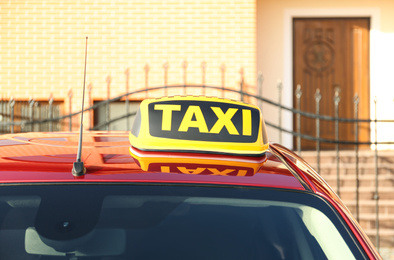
168 201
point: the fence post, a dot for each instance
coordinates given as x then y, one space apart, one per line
11 103
90 100
298 117
260 80
242 83
50 106
317 99
223 72
376 195
146 69
127 73
337 99
280 87
6 114
2 115
203 71
356 102
31 116
184 67
38 106
70 121
165 67
6 110
107 112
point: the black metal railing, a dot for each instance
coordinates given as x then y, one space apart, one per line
53 121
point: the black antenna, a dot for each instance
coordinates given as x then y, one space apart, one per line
78 166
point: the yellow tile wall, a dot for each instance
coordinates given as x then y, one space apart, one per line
42 45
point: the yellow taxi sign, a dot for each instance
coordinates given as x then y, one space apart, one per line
199 124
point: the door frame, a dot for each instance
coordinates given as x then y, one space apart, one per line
289 14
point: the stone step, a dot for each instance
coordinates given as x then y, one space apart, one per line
368 206
386 237
386 220
351 195
364 156
384 192
387 253
365 180
366 173
382 232
362 176
363 168
382 217
365 213
347 165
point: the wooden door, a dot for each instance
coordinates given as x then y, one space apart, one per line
330 53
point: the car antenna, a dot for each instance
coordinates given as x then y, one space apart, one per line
78 166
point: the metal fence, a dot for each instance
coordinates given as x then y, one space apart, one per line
45 116
29 116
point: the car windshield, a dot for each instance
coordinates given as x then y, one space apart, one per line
119 221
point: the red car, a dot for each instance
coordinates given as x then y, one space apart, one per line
194 179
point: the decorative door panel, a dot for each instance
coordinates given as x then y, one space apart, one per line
329 53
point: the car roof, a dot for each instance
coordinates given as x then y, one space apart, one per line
48 157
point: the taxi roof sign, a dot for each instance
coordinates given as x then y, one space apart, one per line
199 124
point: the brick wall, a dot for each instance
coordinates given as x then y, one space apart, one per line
42 45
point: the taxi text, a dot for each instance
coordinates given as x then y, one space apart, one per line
194 118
